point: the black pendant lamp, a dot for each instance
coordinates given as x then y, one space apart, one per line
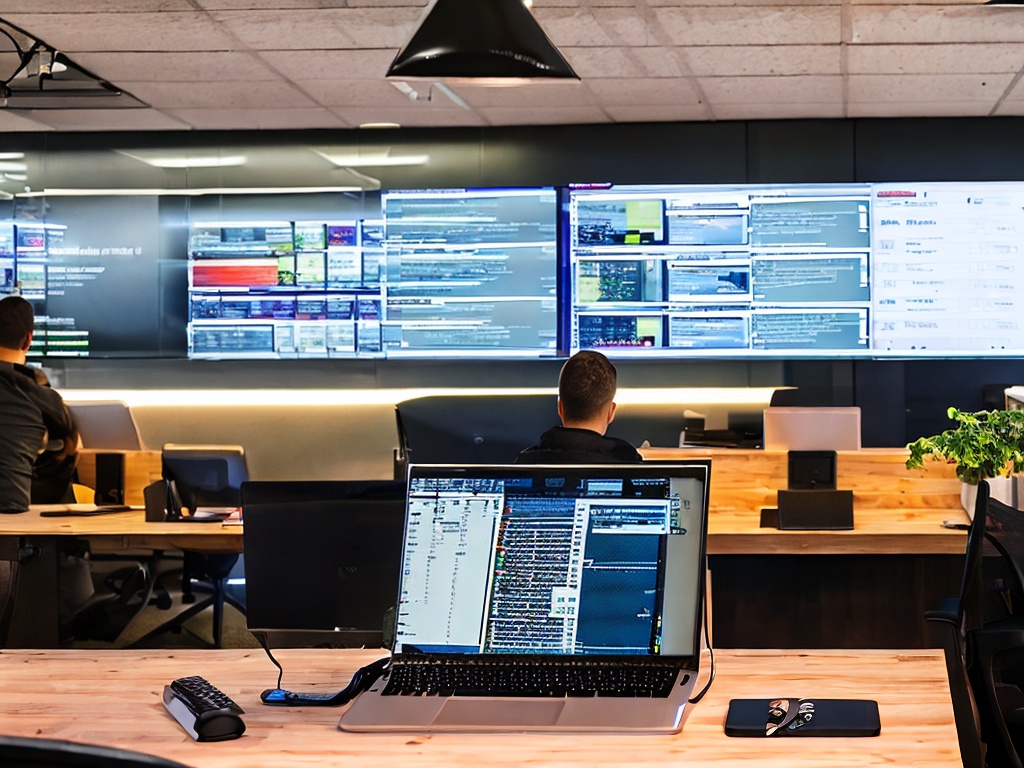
480 39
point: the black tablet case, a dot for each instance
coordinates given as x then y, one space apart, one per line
832 717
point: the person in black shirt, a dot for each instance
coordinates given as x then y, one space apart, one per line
586 406
38 439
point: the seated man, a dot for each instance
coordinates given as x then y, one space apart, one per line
586 406
38 439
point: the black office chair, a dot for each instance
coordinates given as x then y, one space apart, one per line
987 636
954 620
996 647
54 753
10 565
204 476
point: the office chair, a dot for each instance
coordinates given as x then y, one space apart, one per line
953 617
985 640
204 475
55 753
10 565
995 637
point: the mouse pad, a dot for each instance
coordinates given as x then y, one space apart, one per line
793 716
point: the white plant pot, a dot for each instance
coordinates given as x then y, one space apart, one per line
1004 489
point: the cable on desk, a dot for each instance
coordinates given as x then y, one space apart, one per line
711 657
262 638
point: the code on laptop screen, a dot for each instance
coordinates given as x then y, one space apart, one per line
547 560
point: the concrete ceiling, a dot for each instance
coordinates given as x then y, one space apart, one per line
295 64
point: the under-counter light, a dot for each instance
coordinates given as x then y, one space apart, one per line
362 158
190 192
186 161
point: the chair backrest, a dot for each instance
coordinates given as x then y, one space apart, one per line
54 753
10 564
1003 555
971 613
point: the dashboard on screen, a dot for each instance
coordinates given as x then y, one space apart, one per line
452 273
894 270
790 271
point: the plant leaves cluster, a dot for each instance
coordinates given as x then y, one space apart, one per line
983 444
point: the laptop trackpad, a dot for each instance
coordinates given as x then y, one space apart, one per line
504 713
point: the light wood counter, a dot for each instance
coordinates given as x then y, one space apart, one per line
896 510
113 698
127 530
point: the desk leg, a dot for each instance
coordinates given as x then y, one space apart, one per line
36 621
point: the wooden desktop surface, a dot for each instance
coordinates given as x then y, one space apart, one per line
127 530
896 511
114 698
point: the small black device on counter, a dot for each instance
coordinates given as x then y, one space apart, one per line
793 716
206 713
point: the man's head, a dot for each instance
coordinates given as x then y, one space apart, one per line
17 321
586 391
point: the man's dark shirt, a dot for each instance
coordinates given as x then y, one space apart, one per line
565 445
28 413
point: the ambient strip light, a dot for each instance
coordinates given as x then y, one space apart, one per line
191 192
683 396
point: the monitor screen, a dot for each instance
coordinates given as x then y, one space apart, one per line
452 273
322 559
206 475
795 271
566 560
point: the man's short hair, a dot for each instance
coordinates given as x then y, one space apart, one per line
17 321
586 384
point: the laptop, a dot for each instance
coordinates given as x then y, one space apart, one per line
322 560
542 597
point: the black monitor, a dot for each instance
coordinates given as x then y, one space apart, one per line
322 559
206 475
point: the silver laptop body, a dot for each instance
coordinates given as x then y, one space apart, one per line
531 592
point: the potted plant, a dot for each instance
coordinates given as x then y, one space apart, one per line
984 445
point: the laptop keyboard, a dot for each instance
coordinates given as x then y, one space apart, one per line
516 679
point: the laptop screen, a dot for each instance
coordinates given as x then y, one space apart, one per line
565 560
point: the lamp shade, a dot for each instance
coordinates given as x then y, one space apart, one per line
480 38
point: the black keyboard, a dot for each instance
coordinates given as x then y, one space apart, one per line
202 710
410 678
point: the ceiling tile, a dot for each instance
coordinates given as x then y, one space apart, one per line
127 30
760 110
321 29
749 60
745 25
918 109
108 120
269 96
927 88
543 116
174 66
554 94
949 58
257 119
330 65
655 93
772 90
662 114
931 24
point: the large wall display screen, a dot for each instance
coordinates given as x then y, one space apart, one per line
442 273
793 271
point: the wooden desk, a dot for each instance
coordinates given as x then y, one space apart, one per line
868 587
113 698
126 530
36 621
